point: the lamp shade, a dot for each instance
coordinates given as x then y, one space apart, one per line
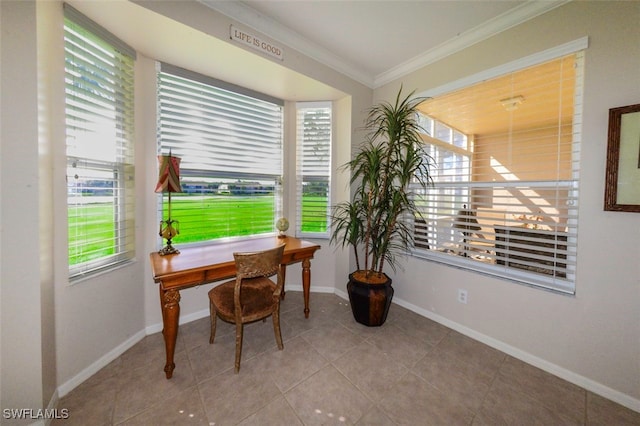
169 174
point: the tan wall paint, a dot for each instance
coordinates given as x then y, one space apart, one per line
590 338
68 332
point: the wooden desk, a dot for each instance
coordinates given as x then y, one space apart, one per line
200 265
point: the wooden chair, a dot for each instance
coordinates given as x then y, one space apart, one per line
252 296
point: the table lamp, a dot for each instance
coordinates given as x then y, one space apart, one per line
168 182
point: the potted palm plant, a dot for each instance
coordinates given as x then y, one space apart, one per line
378 222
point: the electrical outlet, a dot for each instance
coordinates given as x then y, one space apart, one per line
462 296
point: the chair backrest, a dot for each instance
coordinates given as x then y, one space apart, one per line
258 264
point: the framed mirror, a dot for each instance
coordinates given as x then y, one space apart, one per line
622 184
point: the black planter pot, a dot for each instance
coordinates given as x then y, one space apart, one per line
370 302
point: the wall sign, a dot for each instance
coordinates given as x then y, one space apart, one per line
246 38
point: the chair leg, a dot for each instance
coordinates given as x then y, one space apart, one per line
276 328
214 316
239 331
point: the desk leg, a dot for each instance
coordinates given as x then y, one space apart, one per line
170 304
284 280
306 284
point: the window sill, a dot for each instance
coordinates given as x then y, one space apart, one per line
95 273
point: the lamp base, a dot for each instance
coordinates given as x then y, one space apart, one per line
167 232
168 249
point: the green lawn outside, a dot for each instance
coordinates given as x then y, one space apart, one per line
91 232
220 216
200 219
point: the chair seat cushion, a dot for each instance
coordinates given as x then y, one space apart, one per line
256 298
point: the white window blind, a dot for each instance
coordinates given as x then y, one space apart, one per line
505 194
99 88
313 177
229 140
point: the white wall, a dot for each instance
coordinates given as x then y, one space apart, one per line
288 79
21 368
96 318
56 334
592 339
48 126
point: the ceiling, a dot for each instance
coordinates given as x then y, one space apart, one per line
149 26
532 98
337 42
375 42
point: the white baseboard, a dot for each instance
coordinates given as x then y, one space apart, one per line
315 289
53 404
75 381
563 373
185 319
343 294
102 362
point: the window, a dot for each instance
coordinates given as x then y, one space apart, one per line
504 199
99 139
229 140
313 177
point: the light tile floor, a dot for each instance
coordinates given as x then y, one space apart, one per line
410 371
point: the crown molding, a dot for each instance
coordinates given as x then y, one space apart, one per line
248 16
555 52
500 23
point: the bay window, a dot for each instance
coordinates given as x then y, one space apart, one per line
230 142
313 168
99 89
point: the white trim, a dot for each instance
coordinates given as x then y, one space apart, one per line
273 29
102 362
534 59
318 289
509 19
53 404
561 372
343 294
551 368
194 316
113 354
184 319
566 284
